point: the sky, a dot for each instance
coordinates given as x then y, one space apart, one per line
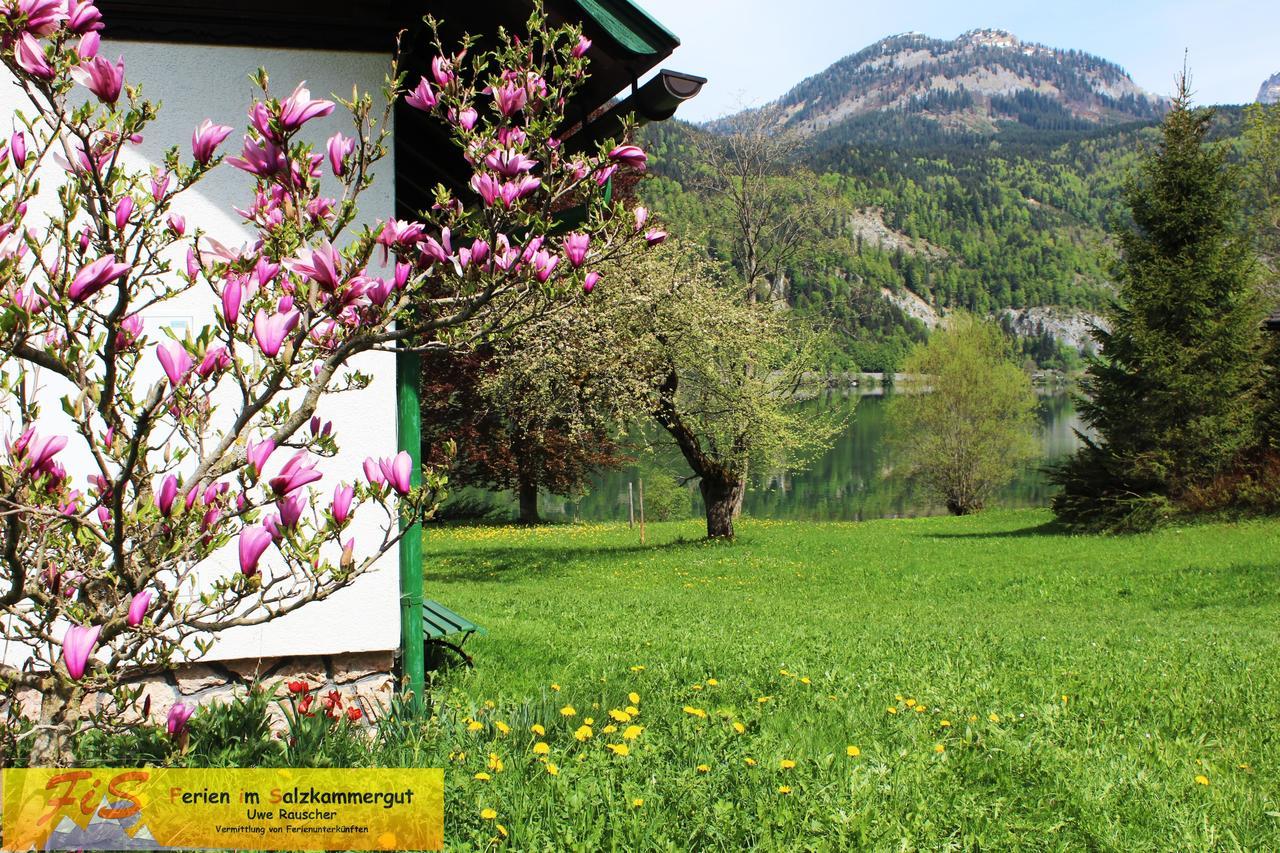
752 51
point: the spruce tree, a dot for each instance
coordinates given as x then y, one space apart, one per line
1173 398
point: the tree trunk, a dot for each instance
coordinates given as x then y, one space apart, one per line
528 492
59 714
722 496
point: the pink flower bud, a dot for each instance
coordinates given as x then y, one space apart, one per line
167 494
138 607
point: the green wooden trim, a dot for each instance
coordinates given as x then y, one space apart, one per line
409 438
631 27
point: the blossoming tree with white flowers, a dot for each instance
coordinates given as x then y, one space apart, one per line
98 568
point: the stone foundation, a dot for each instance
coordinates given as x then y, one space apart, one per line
362 678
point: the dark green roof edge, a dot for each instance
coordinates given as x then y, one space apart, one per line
630 26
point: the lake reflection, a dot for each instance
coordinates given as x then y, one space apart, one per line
854 480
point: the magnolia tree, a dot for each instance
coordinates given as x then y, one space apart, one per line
101 575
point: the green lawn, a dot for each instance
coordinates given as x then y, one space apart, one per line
1091 685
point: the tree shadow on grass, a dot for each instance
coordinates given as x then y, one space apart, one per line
1048 528
506 564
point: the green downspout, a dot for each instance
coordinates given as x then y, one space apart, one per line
409 435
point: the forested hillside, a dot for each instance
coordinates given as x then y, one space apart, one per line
1004 216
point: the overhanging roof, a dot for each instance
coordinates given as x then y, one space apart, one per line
627 43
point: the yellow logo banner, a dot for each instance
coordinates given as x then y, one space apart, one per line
261 809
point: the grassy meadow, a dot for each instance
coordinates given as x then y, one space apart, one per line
930 683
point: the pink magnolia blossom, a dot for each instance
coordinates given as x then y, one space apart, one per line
603 176
467 118
642 216
39 451
130 331
629 155
575 248
589 283
373 472
510 98
18 145
508 162
95 276
341 507
88 45
215 359
124 209
398 471
263 159
77 646
339 148
177 224
580 49
167 494
544 263
138 606
487 186
422 97
30 57
513 191
254 542
300 108
175 360
257 454
83 18
291 508
43 16
232 292
655 236
160 185
102 78
179 715
271 523
270 330
322 265
442 70
206 138
295 474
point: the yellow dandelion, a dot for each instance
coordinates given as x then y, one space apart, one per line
473 726
488 703
786 764
739 727
920 709
568 711
939 748
704 768
911 703
1064 698
620 716
637 802
637 668
898 697
1202 780
483 777
537 729
750 762
583 733
784 789
696 687
784 672
695 712
852 751
805 680
589 721
502 830
993 717
541 748
618 748
502 727
973 718
632 710
495 762
712 682
488 814
632 732
555 687
609 729
764 699
892 709
461 756
552 769
633 698
946 724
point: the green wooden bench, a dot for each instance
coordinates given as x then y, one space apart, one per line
440 625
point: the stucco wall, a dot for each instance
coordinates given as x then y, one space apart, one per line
194 83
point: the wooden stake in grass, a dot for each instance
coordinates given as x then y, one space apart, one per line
642 512
631 506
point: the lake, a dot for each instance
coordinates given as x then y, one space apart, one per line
854 480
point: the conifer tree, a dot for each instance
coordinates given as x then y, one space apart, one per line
1173 398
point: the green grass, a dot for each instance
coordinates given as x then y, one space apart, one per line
1088 682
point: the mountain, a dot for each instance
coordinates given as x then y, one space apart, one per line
982 173
1269 93
979 83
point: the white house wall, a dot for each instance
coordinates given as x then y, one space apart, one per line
198 82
